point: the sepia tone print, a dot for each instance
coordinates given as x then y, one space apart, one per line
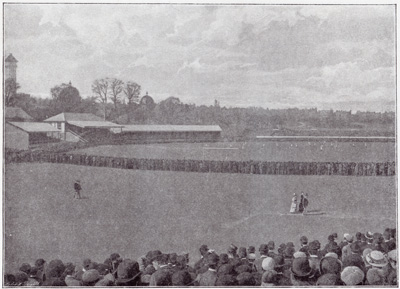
199 145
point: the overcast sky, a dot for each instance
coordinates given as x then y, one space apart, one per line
339 57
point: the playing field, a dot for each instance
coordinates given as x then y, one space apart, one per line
132 212
268 151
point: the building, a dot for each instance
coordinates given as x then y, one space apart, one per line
22 135
10 65
16 114
84 127
147 101
169 133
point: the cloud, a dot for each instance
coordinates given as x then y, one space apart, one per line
247 55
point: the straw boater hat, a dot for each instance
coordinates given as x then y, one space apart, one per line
376 259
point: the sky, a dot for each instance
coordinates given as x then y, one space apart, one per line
307 56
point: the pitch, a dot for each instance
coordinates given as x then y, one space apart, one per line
132 212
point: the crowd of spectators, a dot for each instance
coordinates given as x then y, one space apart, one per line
363 259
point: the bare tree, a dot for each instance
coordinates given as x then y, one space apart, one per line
132 92
116 87
100 88
10 91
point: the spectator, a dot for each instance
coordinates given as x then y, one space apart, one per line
128 273
53 272
21 278
271 248
203 253
40 263
251 250
90 277
245 279
329 280
209 278
269 279
32 279
163 272
9 280
354 259
264 254
352 276
375 276
242 255
314 259
181 278
376 259
69 279
232 252
302 273
346 248
251 259
391 268
268 264
226 281
330 265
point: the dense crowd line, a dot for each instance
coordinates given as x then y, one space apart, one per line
363 259
186 165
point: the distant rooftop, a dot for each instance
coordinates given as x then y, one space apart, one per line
95 124
70 116
171 128
35 126
10 58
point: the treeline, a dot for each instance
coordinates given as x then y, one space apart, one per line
121 102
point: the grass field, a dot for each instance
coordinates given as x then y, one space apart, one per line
132 212
270 151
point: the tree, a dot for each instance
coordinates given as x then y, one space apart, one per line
116 87
66 98
10 91
132 92
100 88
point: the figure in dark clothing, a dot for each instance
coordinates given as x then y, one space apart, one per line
305 203
78 188
301 203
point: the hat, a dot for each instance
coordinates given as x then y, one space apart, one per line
263 249
212 259
163 278
348 237
86 263
289 251
369 236
299 254
78 181
104 283
242 252
279 260
246 279
358 236
149 270
251 249
115 256
34 271
226 269
26 268
290 244
127 269
232 248
39 263
352 275
271 245
69 268
392 255
375 276
334 235
303 240
203 248
226 280
376 259
366 252
330 265
172 258
376 236
353 260
268 264
251 256
243 268
301 267
332 254
328 280
90 276
223 258
55 268
20 278
181 278
269 277
331 238
355 248
313 246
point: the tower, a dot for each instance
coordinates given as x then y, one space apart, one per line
10 67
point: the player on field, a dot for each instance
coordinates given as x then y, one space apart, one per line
77 188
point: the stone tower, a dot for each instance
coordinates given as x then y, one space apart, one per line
10 68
